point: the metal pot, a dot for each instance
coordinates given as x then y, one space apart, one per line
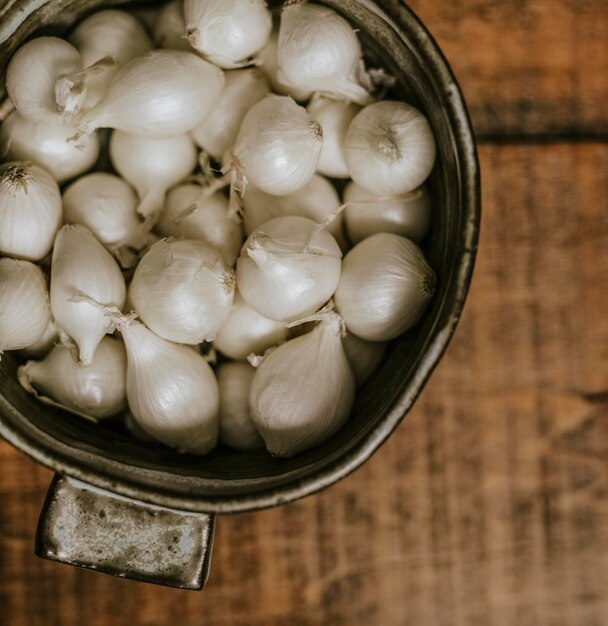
142 511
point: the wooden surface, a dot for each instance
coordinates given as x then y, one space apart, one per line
489 505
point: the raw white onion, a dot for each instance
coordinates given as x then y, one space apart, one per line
108 33
96 391
364 356
269 62
46 144
218 132
366 214
227 32
390 148
385 287
30 211
24 304
288 268
183 290
84 279
319 51
170 27
191 213
317 201
171 390
152 165
107 206
246 332
303 391
236 426
335 117
32 73
278 145
43 345
161 94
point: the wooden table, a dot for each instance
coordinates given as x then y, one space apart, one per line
489 505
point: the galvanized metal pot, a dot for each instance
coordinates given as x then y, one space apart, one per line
142 511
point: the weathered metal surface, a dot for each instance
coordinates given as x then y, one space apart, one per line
88 527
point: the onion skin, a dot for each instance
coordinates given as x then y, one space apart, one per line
386 285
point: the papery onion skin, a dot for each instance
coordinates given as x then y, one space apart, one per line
209 221
183 290
390 148
31 76
152 165
227 31
24 304
386 285
237 429
170 27
30 211
218 132
318 50
278 145
407 215
83 267
108 33
364 356
161 94
303 391
42 346
270 64
46 144
317 200
246 332
335 117
288 268
172 391
98 391
106 205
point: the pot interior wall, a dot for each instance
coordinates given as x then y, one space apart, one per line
108 449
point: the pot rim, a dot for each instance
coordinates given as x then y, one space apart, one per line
57 456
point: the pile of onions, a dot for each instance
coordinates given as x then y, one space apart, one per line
229 264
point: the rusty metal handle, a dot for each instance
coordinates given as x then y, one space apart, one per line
88 527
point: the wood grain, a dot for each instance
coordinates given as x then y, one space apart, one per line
527 67
488 506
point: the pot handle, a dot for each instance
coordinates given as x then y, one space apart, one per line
89 527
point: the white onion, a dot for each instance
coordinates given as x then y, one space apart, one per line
160 94
96 391
183 290
152 165
303 391
46 144
246 332
107 206
319 51
236 426
24 304
335 117
288 268
192 214
108 33
42 346
385 287
30 211
170 27
366 214
278 145
32 73
364 356
171 390
84 270
227 32
317 201
267 57
390 148
218 132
